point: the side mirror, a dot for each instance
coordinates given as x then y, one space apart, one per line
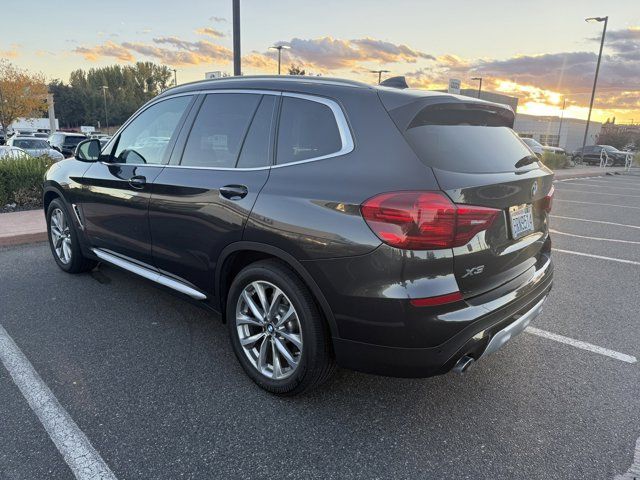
88 150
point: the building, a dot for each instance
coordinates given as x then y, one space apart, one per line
548 131
490 97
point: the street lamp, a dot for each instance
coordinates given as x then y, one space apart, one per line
279 48
480 85
106 116
595 79
379 72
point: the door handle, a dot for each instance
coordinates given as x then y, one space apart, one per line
234 192
138 181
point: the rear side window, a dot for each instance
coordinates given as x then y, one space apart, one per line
219 130
469 139
307 130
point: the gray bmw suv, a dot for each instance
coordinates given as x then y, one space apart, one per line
392 231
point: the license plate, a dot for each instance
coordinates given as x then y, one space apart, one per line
521 217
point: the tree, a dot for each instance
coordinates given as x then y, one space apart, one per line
296 70
22 93
81 102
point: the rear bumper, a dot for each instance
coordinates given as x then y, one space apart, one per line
487 335
377 333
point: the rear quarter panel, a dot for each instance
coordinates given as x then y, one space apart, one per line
312 210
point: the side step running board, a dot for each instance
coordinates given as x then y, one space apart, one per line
149 274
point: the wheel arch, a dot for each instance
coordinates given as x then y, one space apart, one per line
255 251
50 192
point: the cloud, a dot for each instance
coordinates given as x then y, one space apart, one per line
12 52
211 32
217 19
108 49
328 53
182 52
322 54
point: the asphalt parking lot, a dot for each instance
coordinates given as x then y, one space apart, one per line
152 383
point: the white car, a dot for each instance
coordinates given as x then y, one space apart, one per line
35 147
536 147
7 152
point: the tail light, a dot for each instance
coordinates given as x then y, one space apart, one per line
548 200
424 220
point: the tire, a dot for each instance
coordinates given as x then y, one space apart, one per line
313 361
69 257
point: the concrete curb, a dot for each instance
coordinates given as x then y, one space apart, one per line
18 228
22 239
568 173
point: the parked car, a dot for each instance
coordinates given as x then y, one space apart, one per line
35 147
66 142
593 154
7 151
556 150
397 232
535 146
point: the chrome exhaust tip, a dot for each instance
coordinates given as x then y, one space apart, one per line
463 364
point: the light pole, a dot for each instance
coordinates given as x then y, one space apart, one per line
564 102
175 77
237 69
479 86
106 116
279 48
379 72
595 79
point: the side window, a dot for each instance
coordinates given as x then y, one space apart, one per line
219 130
146 138
307 129
256 150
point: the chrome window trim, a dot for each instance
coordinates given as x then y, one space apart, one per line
346 139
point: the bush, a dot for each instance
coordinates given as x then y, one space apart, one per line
555 160
21 180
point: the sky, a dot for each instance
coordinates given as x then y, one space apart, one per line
540 51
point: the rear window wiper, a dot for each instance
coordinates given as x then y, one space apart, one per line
528 160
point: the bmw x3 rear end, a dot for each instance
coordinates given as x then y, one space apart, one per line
391 231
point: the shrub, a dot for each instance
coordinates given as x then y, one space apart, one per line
21 180
555 160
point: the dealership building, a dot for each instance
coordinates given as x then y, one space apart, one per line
567 133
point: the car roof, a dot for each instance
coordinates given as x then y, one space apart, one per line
302 82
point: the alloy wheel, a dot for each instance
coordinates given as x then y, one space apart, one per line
60 235
269 330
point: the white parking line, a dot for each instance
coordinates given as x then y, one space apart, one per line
612 259
582 345
608 185
599 193
596 221
593 238
83 460
634 470
596 203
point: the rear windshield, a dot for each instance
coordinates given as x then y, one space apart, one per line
30 144
471 140
73 140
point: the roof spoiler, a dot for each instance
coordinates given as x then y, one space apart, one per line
395 82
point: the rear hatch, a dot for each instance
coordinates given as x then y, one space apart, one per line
479 160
